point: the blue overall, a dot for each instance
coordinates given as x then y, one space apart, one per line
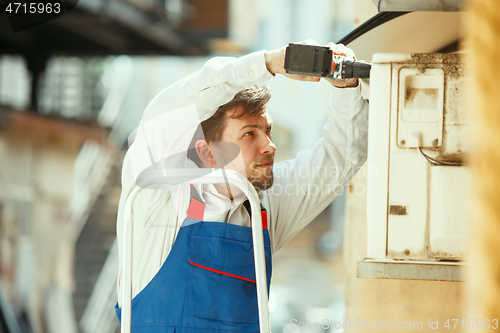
207 283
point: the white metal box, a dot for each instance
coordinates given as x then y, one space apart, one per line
418 199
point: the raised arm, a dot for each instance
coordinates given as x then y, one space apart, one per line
305 186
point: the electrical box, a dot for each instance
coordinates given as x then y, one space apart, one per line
419 194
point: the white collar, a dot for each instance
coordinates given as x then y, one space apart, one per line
218 207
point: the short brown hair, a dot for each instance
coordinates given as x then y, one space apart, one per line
247 103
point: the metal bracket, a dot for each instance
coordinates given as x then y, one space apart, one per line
420 5
412 270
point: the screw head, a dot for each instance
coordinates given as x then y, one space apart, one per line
402 142
407 252
435 142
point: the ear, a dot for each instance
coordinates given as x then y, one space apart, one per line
204 153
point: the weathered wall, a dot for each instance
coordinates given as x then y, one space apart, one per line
36 182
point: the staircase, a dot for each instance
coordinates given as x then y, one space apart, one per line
96 241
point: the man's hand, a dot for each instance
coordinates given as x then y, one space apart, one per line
348 53
275 62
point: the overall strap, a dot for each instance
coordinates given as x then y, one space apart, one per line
196 208
263 213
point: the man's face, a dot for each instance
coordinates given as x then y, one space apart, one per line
253 136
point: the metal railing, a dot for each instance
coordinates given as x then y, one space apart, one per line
99 316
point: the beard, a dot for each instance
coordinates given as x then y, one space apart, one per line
262 178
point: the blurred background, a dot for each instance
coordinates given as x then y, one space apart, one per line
71 92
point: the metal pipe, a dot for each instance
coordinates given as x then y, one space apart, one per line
420 5
196 176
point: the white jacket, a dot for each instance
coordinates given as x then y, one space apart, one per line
302 189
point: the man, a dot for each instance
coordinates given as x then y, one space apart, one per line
193 268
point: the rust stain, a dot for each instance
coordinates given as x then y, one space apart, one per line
398 210
411 93
442 255
445 156
436 58
407 255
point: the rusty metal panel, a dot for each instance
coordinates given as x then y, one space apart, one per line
450 212
432 271
428 143
421 99
407 187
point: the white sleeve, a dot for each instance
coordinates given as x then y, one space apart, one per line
305 186
215 84
166 129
